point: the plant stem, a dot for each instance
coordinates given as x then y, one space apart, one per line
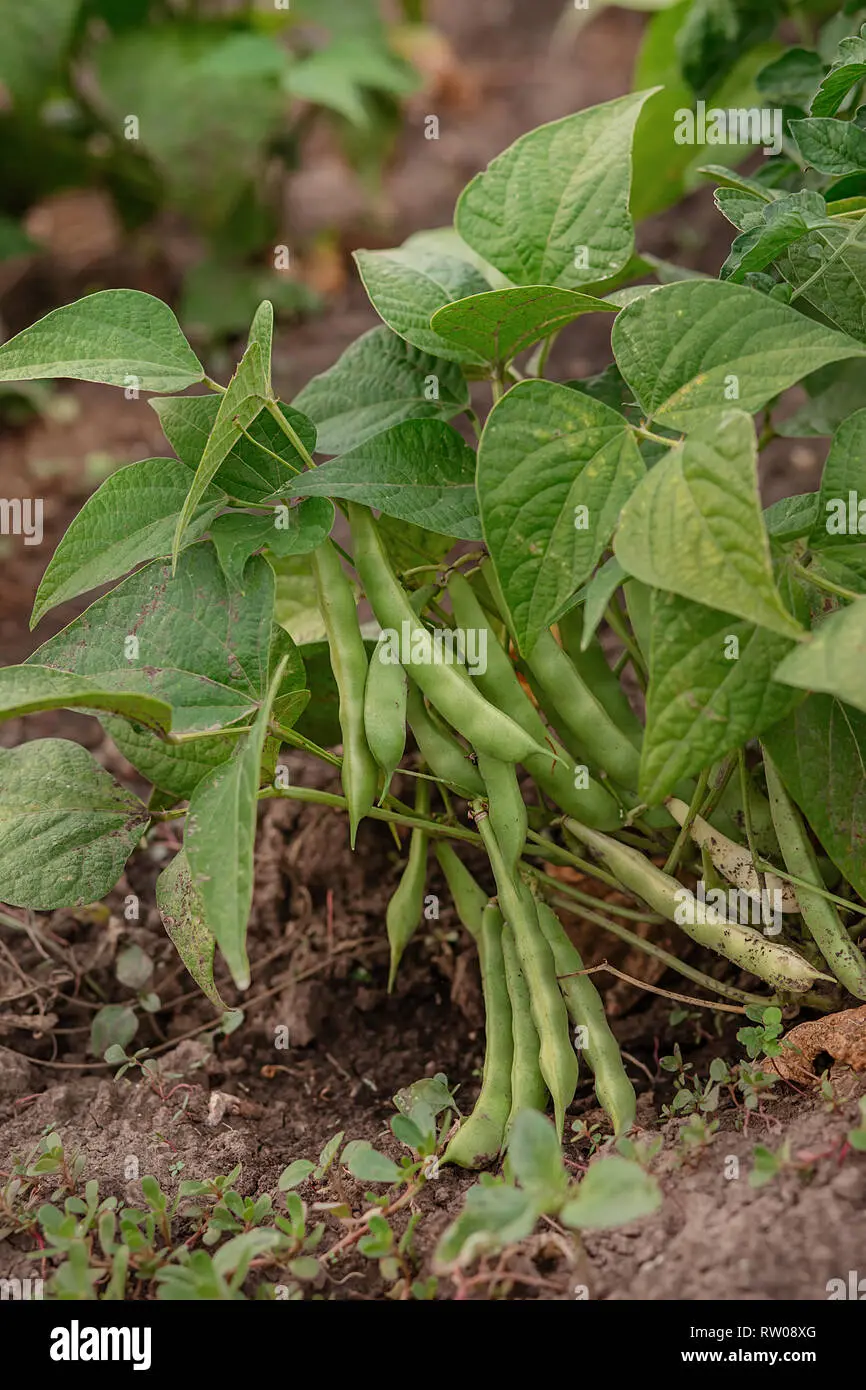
616 623
643 433
588 900
284 463
659 953
290 433
801 883
665 993
213 385
299 741
826 584
339 803
675 855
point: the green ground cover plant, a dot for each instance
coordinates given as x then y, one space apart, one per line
712 772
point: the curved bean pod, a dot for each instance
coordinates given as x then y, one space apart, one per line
469 897
445 757
528 1091
406 907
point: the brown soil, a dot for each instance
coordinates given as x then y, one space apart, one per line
317 932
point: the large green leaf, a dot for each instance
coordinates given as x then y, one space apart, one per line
820 751
420 471
200 647
249 473
66 827
828 269
711 690
688 349
783 222
129 519
220 840
239 405
121 337
182 912
848 70
378 382
407 285
834 659
553 208
176 769
554 470
694 527
29 689
294 531
840 521
831 146
502 323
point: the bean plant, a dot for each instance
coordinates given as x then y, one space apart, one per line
608 655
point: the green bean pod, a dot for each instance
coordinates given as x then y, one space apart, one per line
446 758
469 897
585 1008
556 1058
592 667
479 1139
553 770
506 808
447 685
385 713
528 1091
406 908
819 914
349 661
572 705
781 967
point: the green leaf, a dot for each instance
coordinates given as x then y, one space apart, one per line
502 323
338 75
792 79
121 337
220 839
711 690
792 517
830 146
183 916
744 210
599 592
687 349
366 1164
848 71
553 208
174 769
840 520
718 32
262 332
492 1218
554 470
535 1159
843 564
833 661
249 472
828 269
379 381
614 1192
66 827
694 526
783 222
295 1174
419 471
115 1025
292 531
407 285
833 392
129 519
242 401
820 752
202 649
29 689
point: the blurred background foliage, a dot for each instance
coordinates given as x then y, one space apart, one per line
193 108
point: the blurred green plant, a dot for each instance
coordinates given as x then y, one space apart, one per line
193 107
